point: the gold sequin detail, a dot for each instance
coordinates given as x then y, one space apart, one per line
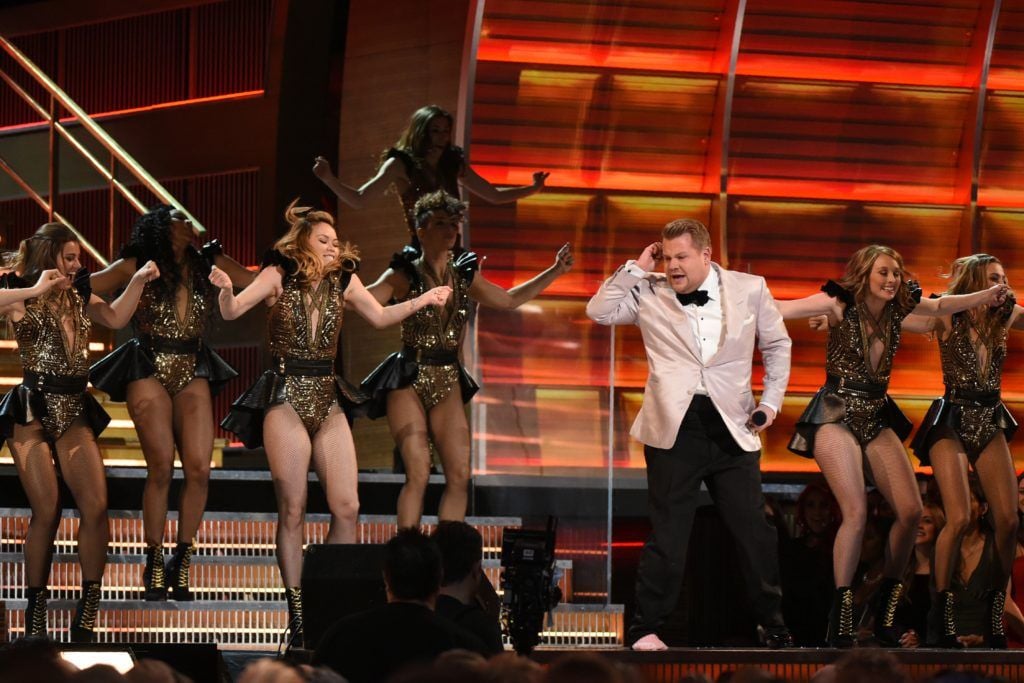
963 369
433 383
291 334
846 356
437 329
44 350
157 316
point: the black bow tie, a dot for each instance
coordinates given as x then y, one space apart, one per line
698 297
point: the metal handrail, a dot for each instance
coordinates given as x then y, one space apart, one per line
38 198
99 134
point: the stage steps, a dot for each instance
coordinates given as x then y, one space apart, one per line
239 601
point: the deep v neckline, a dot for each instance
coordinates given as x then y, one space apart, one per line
314 302
69 344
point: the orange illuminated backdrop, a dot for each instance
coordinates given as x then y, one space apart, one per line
797 131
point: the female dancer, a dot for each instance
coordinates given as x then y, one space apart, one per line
416 387
296 410
50 416
168 375
424 161
968 428
852 419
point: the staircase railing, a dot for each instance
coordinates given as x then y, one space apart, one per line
57 131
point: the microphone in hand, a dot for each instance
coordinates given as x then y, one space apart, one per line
758 418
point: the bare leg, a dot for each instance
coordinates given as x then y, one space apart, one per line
334 459
288 451
451 436
151 410
34 461
82 468
894 478
193 432
999 482
840 459
949 464
408 422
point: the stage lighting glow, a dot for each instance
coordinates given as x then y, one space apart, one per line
122 660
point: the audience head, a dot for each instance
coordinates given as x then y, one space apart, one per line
933 518
508 667
34 660
412 567
462 550
582 667
869 664
817 512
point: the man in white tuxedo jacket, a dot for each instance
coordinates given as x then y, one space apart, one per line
699 421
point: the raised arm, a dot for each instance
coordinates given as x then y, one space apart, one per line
490 294
954 303
390 171
482 188
379 316
265 287
113 277
810 307
617 302
241 277
117 313
921 324
12 299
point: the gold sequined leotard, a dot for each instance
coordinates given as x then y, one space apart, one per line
435 334
972 367
855 394
160 328
51 359
304 326
429 360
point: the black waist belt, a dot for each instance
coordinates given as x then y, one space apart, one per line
988 398
54 384
430 356
168 345
868 390
301 366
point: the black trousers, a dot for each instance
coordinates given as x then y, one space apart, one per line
704 451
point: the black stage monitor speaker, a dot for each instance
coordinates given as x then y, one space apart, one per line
339 580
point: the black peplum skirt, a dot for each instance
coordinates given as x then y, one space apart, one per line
829 406
132 361
22 405
245 419
398 371
946 418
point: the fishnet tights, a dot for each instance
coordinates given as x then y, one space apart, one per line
81 467
995 471
289 451
841 460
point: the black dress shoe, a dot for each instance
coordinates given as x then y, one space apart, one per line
777 638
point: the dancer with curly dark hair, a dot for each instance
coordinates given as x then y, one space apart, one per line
297 409
423 387
50 421
167 374
422 161
851 427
